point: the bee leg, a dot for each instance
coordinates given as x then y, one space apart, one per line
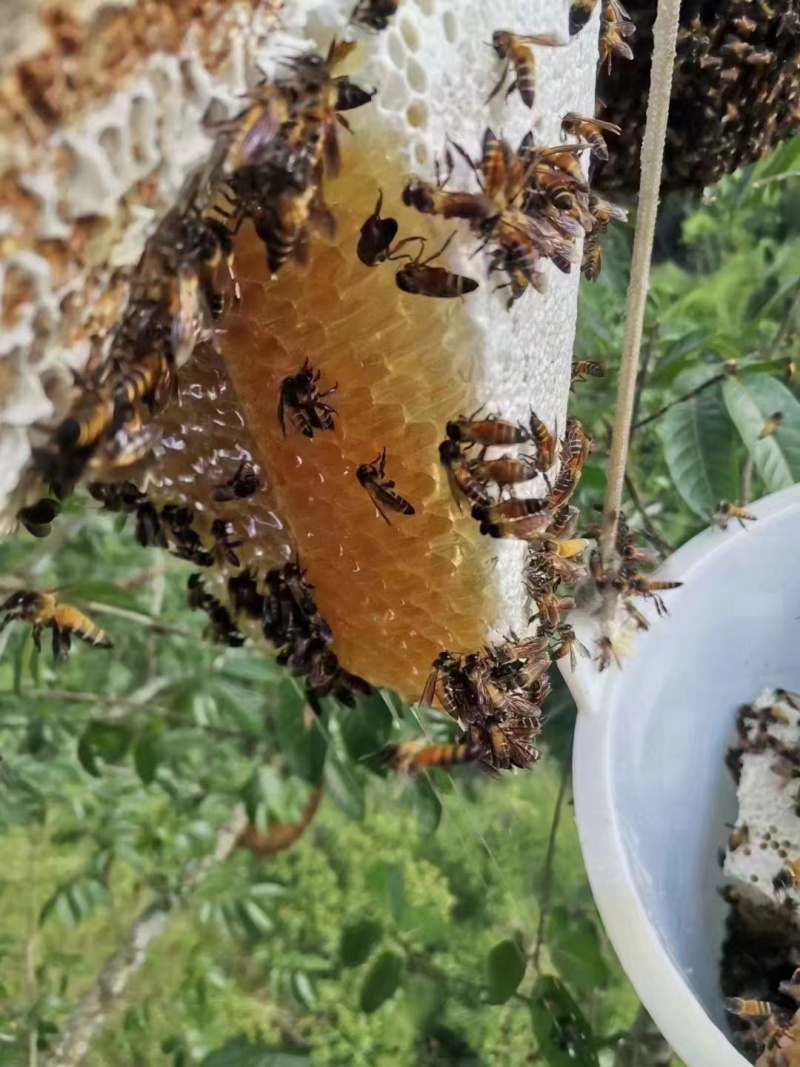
37 637
499 85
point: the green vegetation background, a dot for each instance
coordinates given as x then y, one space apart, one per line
432 922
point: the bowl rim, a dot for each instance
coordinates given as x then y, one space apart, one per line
677 1012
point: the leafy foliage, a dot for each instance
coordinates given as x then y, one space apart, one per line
410 923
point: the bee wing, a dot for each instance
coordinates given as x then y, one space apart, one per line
393 500
429 692
545 39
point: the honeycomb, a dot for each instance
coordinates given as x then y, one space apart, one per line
394 595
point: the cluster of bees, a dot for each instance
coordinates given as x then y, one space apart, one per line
771 1031
268 165
285 609
761 739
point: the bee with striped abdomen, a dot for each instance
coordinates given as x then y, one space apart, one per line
415 757
591 130
513 48
615 27
420 279
460 475
372 477
545 442
582 368
43 610
726 511
486 432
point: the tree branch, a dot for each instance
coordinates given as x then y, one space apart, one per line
547 873
93 1011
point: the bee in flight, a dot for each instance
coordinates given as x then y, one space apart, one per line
419 278
725 511
244 482
581 368
580 12
372 477
513 48
374 14
771 425
615 26
586 129
65 621
302 400
414 757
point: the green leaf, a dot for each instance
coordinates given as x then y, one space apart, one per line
303 990
387 882
700 446
562 1031
505 969
358 940
366 727
147 752
240 1052
302 738
574 944
344 787
106 741
750 402
427 806
381 981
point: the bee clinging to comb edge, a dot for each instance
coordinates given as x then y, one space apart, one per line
513 48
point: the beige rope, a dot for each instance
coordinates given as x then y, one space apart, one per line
665 35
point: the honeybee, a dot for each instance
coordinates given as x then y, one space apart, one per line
431 199
486 432
592 258
568 645
414 757
771 425
372 477
65 621
508 510
461 476
545 442
188 543
513 49
38 518
529 528
565 522
749 1008
615 26
300 397
603 211
583 367
244 482
580 12
222 532
140 382
606 653
244 595
589 129
420 279
725 511
374 14
505 470
222 629
83 429
650 589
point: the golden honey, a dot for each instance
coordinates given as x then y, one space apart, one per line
393 594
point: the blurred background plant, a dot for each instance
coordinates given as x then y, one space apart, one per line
359 919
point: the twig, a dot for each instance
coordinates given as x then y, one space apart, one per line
280 835
93 1010
783 329
665 33
641 378
681 399
547 870
656 538
31 982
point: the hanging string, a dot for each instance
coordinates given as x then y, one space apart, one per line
665 34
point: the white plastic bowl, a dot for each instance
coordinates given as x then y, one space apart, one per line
652 793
